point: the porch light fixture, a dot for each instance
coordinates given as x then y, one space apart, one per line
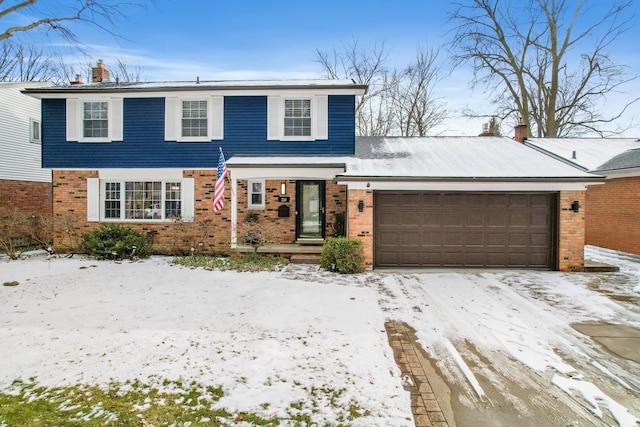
575 206
360 206
283 188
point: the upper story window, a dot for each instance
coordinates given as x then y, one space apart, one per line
34 131
95 120
194 118
297 117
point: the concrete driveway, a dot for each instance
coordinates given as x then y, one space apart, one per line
504 348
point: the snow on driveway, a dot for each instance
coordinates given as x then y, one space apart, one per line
512 330
503 340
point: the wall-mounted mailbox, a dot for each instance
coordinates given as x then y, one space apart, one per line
283 211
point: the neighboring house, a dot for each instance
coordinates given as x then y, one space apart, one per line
24 184
145 155
613 209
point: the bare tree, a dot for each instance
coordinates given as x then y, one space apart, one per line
396 103
26 63
367 68
101 13
417 109
544 61
125 72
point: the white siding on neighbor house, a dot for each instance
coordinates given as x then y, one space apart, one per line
20 159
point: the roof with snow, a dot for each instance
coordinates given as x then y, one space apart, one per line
467 157
586 153
433 158
112 86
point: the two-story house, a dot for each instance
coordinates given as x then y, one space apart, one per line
146 155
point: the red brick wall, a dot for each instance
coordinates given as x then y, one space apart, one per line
208 233
285 227
572 231
360 224
613 215
335 203
30 196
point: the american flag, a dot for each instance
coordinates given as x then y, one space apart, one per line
218 193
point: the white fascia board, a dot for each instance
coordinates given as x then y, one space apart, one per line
140 174
465 186
195 93
621 173
284 173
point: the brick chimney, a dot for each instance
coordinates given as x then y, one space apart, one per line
521 132
99 73
77 81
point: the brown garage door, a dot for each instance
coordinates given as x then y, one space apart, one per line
464 229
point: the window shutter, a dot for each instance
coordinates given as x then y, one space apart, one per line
116 120
274 117
93 199
72 119
187 198
171 119
217 117
321 116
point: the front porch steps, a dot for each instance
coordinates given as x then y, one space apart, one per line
305 259
295 252
309 242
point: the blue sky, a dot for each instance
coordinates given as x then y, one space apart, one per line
276 39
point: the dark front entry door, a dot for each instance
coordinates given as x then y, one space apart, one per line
310 209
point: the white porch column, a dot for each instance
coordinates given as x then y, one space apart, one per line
234 212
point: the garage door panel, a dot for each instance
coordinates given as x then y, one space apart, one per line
453 219
519 219
464 229
410 238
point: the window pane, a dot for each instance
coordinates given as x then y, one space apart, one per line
297 117
172 205
112 200
95 122
143 200
256 199
194 118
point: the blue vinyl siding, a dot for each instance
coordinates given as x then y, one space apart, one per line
245 132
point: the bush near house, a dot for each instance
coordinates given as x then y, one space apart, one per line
22 230
346 256
113 241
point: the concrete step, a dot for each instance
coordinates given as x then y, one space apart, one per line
599 267
305 259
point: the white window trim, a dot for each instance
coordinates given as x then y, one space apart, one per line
96 198
215 118
32 138
319 117
309 137
75 119
255 206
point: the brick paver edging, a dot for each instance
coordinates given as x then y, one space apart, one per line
425 407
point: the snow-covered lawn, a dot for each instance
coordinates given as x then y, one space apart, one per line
272 340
